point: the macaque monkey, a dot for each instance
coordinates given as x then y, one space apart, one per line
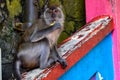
38 44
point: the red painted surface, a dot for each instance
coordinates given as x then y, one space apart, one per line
77 54
112 8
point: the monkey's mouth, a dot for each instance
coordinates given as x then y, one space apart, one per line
53 20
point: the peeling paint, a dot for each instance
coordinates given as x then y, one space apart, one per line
32 74
70 45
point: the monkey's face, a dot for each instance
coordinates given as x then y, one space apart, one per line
52 14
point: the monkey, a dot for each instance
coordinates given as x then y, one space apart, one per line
38 45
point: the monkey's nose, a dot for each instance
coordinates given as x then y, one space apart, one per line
53 15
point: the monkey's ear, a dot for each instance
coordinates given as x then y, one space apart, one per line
36 37
61 6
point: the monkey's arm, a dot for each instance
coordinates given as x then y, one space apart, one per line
42 33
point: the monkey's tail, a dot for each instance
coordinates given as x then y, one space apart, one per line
17 67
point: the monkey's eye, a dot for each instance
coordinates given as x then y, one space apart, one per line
56 10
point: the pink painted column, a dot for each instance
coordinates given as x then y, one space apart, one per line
116 35
108 7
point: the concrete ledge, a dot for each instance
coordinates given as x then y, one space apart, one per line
76 47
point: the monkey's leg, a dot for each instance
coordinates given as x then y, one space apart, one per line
17 69
44 54
58 58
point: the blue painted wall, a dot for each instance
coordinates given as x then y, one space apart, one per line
99 59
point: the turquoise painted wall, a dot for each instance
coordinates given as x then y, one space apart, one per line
99 59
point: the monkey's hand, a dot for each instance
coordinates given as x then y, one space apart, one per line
43 33
37 36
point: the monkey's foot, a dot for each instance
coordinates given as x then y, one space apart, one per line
63 63
24 75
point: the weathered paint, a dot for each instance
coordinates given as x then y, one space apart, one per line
99 59
78 45
112 8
